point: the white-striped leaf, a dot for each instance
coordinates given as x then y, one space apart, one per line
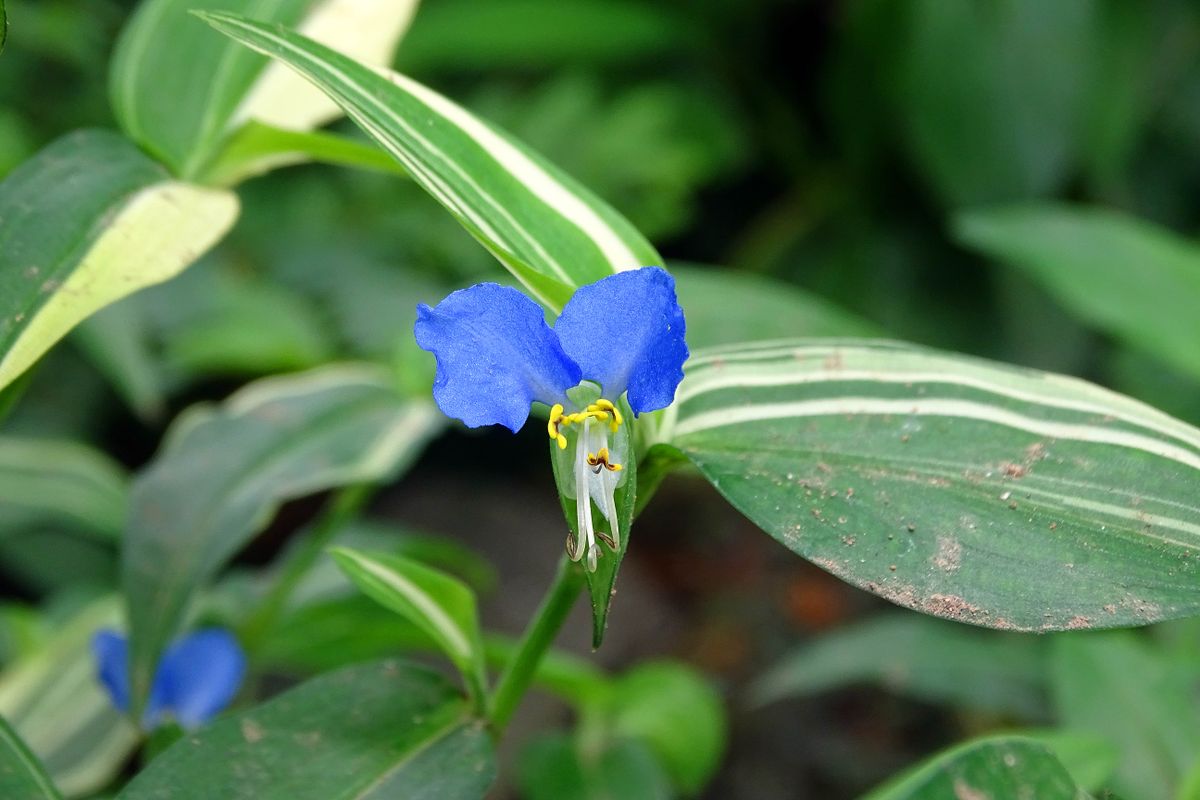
548 230
22 776
178 90
224 470
87 221
966 489
442 606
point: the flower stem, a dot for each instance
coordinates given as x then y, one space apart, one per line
343 507
536 641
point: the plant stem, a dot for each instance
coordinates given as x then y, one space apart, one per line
538 637
343 507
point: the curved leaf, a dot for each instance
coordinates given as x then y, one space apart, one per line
368 732
178 90
21 776
223 470
965 489
62 480
85 222
552 233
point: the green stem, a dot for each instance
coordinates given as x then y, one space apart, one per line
540 634
344 506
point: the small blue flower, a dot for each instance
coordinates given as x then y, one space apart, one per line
197 677
622 336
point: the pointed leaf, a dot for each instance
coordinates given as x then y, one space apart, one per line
962 488
548 230
85 222
224 470
368 732
22 777
442 606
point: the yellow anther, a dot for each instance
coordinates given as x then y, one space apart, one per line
607 406
600 460
557 418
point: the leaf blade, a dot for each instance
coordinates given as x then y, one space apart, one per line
21 776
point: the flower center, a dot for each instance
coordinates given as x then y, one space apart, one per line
596 474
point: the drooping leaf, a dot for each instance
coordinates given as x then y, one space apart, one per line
678 715
369 732
1118 686
442 606
548 230
965 489
920 657
1129 278
992 767
87 221
178 90
52 699
22 777
726 307
556 767
223 470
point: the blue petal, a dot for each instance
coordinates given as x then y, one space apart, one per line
111 651
198 676
626 332
495 356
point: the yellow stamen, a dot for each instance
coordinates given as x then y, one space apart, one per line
601 460
557 418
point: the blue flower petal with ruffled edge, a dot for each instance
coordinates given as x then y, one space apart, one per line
626 332
197 677
495 356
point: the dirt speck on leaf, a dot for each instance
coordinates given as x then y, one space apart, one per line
964 791
251 731
948 557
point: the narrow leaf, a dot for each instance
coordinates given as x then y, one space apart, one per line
548 230
440 605
21 776
85 222
1001 766
1129 278
965 489
367 732
224 470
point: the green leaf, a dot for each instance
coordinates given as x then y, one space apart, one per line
1091 759
678 714
21 776
84 223
556 767
114 341
548 230
970 490
725 307
994 767
3 26
63 483
224 470
1128 278
179 91
442 606
53 700
1116 685
256 149
920 657
368 732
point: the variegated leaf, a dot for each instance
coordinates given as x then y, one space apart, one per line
551 232
966 489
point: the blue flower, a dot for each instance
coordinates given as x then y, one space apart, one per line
197 677
619 338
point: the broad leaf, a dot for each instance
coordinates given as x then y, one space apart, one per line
85 222
442 606
178 90
21 776
919 657
1129 278
368 732
543 226
557 767
224 470
53 700
995 767
965 489
1117 685
726 306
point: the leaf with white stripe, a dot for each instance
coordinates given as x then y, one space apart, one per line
22 777
962 488
442 606
551 232
224 470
